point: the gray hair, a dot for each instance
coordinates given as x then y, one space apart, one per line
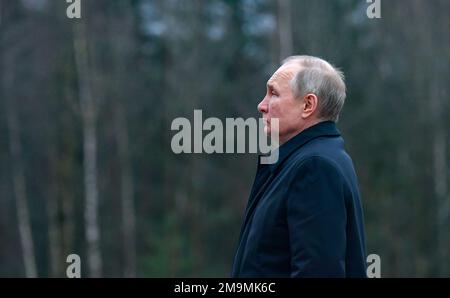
324 80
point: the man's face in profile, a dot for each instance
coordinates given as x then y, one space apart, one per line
279 102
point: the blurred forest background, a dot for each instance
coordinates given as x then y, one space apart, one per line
86 107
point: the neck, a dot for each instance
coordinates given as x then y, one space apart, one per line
287 137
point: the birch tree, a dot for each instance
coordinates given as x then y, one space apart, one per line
89 120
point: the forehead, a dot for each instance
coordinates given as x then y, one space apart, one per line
283 74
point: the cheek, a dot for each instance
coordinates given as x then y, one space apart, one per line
275 109
281 111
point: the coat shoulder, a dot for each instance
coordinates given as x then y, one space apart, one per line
323 154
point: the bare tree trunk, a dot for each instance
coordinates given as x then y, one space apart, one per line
285 28
55 243
20 192
15 147
67 228
64 176
127 191
121 38
54 239
439 123
89 117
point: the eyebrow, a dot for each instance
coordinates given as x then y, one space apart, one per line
271 86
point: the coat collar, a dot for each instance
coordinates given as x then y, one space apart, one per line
325 128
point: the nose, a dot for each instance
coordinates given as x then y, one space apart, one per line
263 106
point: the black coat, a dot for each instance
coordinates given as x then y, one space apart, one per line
304 216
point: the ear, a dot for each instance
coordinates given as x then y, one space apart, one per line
310 102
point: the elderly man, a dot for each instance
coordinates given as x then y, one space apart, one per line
304 216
